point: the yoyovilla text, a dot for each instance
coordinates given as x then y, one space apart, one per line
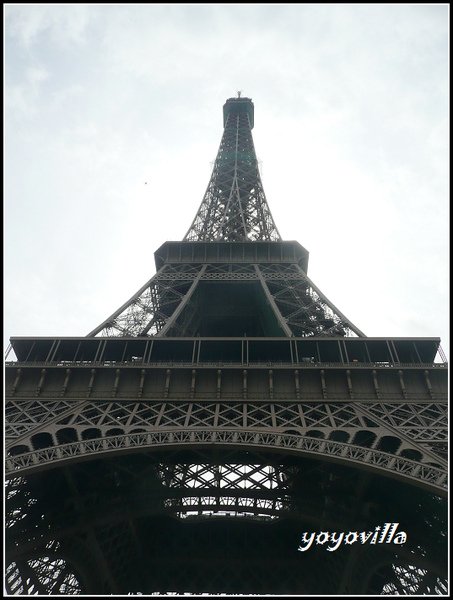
386 534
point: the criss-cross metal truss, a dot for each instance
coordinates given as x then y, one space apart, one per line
44 575
234 207
190 438
108 498
407 438
165 304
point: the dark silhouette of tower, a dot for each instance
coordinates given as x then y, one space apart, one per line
187 443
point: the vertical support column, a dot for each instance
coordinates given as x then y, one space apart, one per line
348 378
244 384
245 352
90 385
291 351
297 384
402 385
323 384
192 384
428 384
219 384
296 351
41 382
195 351
142 383
167 383
116 383
271 384
65 383
16 381
376 384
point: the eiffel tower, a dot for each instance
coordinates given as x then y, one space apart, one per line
188 442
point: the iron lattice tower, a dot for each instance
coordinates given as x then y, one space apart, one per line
189 440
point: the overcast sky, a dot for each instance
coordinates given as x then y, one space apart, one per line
114 115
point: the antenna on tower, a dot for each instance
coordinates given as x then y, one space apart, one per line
239 93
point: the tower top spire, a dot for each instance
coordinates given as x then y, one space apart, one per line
234 207
239 105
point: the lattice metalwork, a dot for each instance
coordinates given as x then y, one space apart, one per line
304 308
123 505
234 210
362 456
410 424
165 304
147 312
411 580
234 207
42 576
221 480
239 408
410 431
47 573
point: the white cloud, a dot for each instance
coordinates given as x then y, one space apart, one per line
64 24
